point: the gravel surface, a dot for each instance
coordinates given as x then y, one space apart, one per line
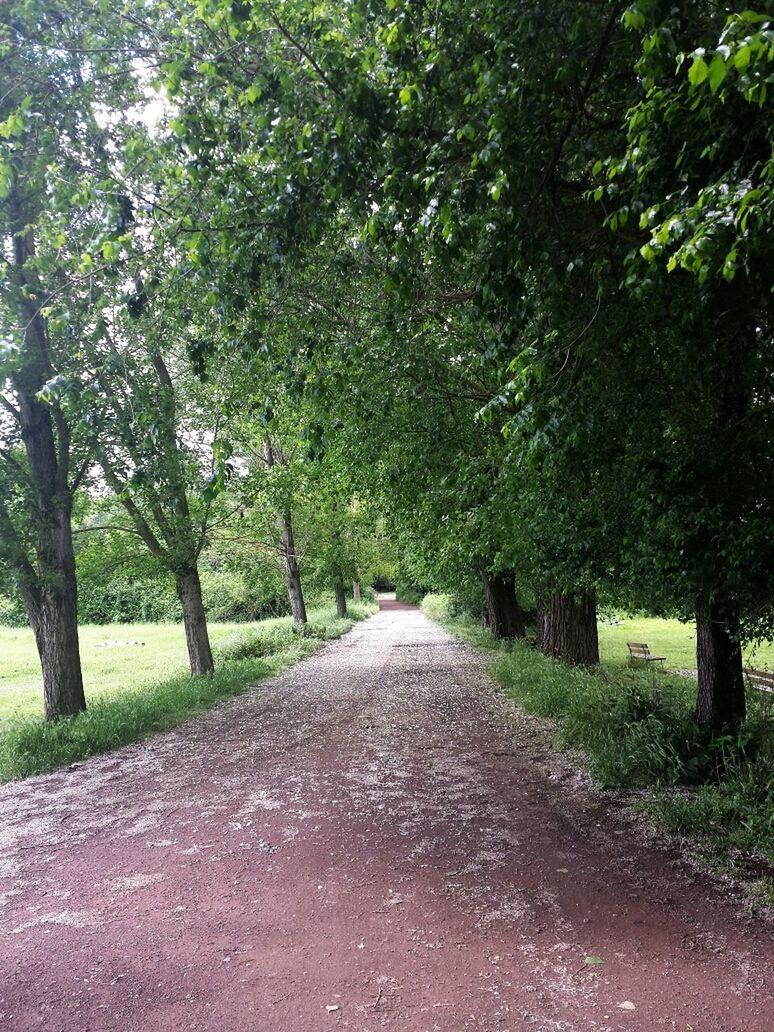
373 840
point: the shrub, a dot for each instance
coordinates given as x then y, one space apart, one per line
232 597
439 607
122 599
12 613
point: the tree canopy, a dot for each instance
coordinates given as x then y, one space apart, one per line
493 279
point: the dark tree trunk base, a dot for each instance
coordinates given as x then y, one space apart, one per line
720 697
567 628
295 593
56 635
292 572
341 599
502 614
189 591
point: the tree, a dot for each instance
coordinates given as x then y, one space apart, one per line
707 80
48 208
158 445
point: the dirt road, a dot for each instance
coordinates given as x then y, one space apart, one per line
374 840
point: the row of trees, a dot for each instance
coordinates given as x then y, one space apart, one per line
99 345
505 271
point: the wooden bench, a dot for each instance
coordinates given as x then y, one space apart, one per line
639 651
762 679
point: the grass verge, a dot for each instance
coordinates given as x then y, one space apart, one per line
31 746
636 732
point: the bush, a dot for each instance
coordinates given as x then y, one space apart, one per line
12 613
443 607
232 597
122 599
228 597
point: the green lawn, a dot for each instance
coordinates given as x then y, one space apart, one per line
105 670
670 638
134 690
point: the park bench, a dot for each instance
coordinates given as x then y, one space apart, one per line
639 652
761 679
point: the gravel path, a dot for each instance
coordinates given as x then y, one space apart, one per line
373 840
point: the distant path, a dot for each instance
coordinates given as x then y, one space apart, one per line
375 831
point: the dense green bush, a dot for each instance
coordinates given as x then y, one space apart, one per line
11 613
445 606
234 597
413 596
122 599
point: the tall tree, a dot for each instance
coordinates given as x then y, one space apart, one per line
50 212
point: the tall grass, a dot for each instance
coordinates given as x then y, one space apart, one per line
636 731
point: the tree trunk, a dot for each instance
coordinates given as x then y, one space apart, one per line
502 615
541 630
569 628
189 591
292 572
50 591
54 620
720 698
356 590
341 598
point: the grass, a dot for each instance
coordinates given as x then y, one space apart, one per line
134 691
635 730
670 638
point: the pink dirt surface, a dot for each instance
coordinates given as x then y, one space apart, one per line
374 840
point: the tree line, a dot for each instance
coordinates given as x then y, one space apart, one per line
503 272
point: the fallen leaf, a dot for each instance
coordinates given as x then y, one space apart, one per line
331 1007
627 1005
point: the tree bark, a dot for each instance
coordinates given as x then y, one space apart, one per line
292 572
502 614
273 455
720 697
541 630
54 620
341 598
569 630
189 591
49 591
356 590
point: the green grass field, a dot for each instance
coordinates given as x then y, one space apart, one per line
134 690
105 670
670 638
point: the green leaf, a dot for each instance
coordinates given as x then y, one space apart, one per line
592 961
717 73
742 58
698 71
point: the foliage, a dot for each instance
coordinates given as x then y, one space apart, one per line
406 591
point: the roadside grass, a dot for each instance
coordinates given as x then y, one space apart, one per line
635 729
126 703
